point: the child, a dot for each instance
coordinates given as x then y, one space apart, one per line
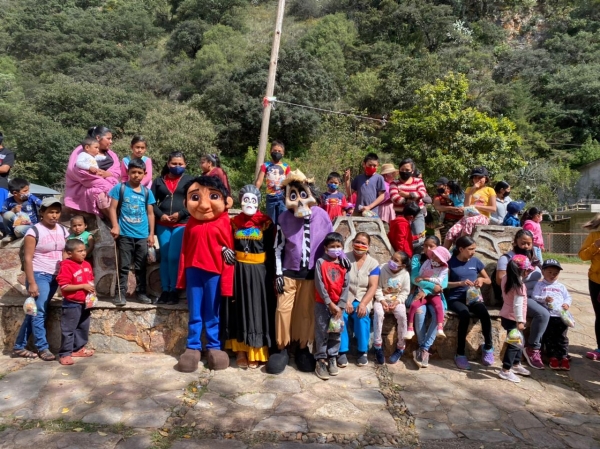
392 290
512 214
369 187
514 314
530 221
433 271
556 298
89 157
456 195
19 211
331 284
75 279
386 208
79 231
333 201
466 225
132 217
138 150
274 172
400 234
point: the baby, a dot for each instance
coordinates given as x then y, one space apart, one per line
89 157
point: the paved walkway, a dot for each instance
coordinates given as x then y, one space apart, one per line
139 401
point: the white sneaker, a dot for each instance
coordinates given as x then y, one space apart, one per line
521 370
409 335
440 333
509 375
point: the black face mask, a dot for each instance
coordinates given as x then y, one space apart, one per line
405 175
276 156
524 252
441 191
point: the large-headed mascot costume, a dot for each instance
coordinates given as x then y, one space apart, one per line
203 271
301 230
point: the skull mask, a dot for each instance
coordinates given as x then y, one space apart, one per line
298 195
249 197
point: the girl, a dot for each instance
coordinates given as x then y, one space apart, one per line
78 230
171 217
43 244
442 202
392 291
211 166
456 194
468 271
333 201
513 313
138 150
530 221
386 208
590 250
433 271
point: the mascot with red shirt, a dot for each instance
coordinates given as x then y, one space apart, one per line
206 269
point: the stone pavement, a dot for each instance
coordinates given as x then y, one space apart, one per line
130 401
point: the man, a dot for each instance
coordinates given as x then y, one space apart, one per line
502 189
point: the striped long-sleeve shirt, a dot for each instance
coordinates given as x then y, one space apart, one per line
415 187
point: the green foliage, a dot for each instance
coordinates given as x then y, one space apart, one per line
588 152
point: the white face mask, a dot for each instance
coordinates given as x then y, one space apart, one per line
249 204
435 263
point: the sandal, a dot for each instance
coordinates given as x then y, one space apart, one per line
46 355
66 360
83 352
253 365
24 353
242 360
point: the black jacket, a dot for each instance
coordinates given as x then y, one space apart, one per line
169 203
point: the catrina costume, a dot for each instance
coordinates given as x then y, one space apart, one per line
248 316
301 230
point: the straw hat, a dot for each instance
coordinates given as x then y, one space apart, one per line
295 175
387 169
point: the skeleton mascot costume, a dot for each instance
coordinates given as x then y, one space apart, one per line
247 322
300 233
205 270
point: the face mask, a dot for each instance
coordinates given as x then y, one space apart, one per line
276 156
519 250
177 170
334 253
24 196
359 248
441 191
332 186
249 204
370 171
393 265
405 175
435 263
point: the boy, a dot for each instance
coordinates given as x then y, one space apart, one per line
369 187
400 234
132 217
512 214
76 281
333 201
331 292
89 157
275 172
556 298
19 211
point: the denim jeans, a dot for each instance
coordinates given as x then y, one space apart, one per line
47 286
170 240
425 335
275 206
539 316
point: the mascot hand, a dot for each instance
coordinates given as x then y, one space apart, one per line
279 284
228 255
345 262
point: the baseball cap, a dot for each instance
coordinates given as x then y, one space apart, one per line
514 207
441 182
50 201
479 171
551 263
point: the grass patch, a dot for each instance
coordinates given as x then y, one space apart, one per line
562 258
2 376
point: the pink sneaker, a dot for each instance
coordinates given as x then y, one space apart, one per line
534 358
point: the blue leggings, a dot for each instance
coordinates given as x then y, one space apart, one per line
362 330
170 240
204 301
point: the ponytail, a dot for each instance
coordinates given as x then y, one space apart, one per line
529 214
514 278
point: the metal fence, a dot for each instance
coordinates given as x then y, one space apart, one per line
564 243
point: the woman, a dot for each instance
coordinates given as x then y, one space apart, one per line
406 189
364 276
502 190
85 191
211 166
171 216
43 254
590 250
248 315
539 315
468 271
386 208
444 205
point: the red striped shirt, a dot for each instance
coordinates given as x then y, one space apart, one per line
415 186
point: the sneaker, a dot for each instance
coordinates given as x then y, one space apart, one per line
8 238
440 331
342 361
409 334
593 355
520 370
487 356
462 362
418 358
362 359
120 300
397 355
143 298
508 375
163 298
424 358
173 298
534 358
554 363
379 356
565 365
321 370
332 367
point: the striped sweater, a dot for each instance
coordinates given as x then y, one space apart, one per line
415 186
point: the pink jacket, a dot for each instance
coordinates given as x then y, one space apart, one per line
147 181
515 303
536 230
82 188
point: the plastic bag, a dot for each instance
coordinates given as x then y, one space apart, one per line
22 219
151 254
336 326
30 307
567 318
515 337
474 295
91 300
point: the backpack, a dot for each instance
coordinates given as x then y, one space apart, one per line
37 238
122 194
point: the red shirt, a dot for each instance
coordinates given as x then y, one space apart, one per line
400 235
332 276
201 248
73 273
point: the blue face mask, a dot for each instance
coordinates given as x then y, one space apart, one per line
177 170
332 186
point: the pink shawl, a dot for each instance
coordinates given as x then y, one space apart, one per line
82 188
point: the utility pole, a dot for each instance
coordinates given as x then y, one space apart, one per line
264 129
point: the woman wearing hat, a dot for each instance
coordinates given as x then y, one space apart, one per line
386 208
590 250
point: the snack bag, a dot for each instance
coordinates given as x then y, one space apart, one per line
21 219
90 300
515 337
474 295
30 307
567 318
151 254
336 326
